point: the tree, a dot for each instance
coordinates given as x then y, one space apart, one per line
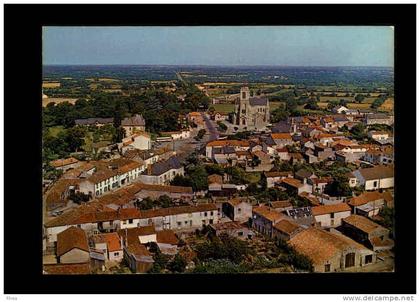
339 187
359 98
164 201
198 177
200 134
182 181
178 264
279 114
358 131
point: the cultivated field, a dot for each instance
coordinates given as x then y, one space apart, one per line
46 101
51 84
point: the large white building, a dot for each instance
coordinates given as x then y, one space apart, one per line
379 177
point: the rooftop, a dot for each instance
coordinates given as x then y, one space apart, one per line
71 238
333 208
362 223
320 245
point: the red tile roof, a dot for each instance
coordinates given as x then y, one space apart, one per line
71 238
333 208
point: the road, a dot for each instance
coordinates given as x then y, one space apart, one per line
210 127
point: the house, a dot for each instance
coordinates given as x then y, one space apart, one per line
378 177
367 232
285 230
136 255
379 118
162 172
378 157
232 228
273 177
319 184
282 139
72 246
281 205
133 124
378 135
220 116
303 174
301 216
155 191
109 176
65 164
177 135
167 242
331 215
340 109
370 203
237 209
180 217
237 145
331 252
310 198
264 162
295 186
109 244
264 219
94 121
282 153
215 182
57 195
326 199
140 140
322 151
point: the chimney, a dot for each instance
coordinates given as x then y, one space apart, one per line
304 181
149 169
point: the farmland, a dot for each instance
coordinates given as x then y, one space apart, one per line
46 101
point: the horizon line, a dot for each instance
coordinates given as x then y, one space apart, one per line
211 65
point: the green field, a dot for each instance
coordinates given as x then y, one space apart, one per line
54 131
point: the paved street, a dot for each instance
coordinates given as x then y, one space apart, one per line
210 127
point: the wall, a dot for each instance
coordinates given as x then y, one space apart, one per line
327 221
75 256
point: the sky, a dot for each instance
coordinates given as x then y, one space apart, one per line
220 45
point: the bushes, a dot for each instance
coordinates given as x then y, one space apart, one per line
225 247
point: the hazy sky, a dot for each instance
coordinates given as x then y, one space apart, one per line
222 45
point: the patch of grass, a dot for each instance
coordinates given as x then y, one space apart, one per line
54 131
275 105
225 108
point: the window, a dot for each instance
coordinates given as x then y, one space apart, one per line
211 213
116 254
327 268
211 221
239 210
368 259
179 223
375 184
332 215
205 214
240 233
350 259
130 220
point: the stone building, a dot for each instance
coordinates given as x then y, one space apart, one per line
251 113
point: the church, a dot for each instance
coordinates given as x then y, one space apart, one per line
251 113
